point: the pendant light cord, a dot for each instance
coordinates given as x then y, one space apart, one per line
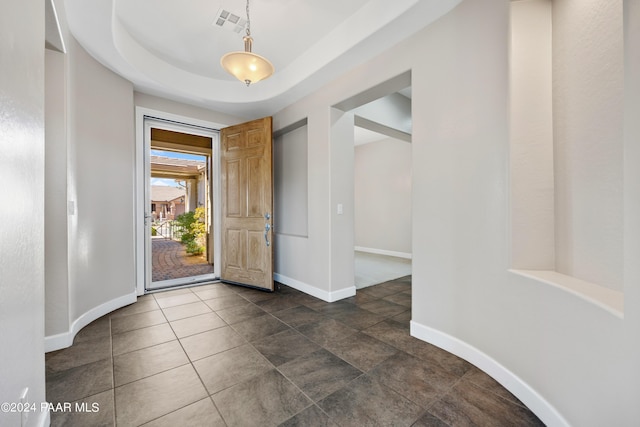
248 21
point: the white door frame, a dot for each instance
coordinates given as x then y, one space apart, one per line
145 116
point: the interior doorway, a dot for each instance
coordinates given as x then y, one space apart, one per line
382 189
179 207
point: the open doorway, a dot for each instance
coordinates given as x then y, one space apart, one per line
382 189
180 218
179 206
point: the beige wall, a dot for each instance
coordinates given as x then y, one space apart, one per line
382 203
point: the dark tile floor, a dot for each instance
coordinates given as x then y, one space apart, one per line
219 355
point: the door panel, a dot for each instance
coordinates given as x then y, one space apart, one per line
233 248
233 189
255 188
247 204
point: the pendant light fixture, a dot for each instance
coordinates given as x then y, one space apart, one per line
247 66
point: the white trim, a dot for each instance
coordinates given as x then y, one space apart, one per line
313 291
141 113
534 401
59 38
405 255
190 280
64 340
607 299
342 294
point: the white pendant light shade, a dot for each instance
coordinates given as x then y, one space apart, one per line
247 66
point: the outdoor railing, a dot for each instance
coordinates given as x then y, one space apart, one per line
167 229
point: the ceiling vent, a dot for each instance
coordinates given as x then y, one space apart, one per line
229 21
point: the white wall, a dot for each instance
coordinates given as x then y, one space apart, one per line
341 174
588 90
90 192
185 110
393 110
101 169
21 219
382 202
531 140
566 358
55 213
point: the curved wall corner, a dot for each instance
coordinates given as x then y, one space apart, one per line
65 339
509 380
91 266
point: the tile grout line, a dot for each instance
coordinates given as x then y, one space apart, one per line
209 396
465 377
192 365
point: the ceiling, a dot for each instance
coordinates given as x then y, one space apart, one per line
172 48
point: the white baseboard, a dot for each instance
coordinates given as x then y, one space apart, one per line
342 294
405 255
315 292
65 339
534 401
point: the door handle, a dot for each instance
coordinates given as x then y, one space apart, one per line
267 227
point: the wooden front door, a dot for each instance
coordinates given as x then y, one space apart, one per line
247 204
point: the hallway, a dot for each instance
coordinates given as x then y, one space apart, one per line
221 355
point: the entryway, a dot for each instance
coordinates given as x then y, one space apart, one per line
217 189
179 207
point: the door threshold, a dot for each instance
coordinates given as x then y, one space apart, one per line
171 287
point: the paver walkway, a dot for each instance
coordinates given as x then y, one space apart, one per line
170 261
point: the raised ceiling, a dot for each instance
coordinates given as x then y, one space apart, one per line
173 48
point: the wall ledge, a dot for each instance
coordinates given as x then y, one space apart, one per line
405 255
65 339
315 292
605 298
534 401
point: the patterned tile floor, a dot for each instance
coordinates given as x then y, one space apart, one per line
219 355
170 261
